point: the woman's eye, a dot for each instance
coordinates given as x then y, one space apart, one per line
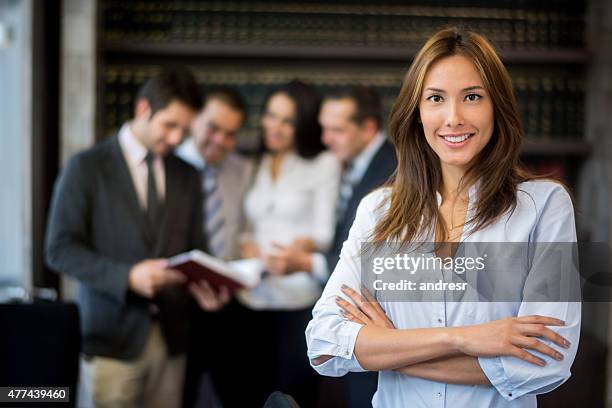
472 97
435 98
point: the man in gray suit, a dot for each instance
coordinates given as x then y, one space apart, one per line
225 174
225 178
119 210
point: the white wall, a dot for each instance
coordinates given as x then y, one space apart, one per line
15 144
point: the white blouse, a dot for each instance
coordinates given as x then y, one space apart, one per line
300 203
544 213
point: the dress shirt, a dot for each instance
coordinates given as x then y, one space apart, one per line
234 179
544 213
300 203
359 166
188 151
134 153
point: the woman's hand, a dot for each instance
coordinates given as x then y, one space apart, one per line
249 249
304 244
366 310
284 260
512 336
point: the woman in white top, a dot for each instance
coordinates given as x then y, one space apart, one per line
292 200
290 205
456 129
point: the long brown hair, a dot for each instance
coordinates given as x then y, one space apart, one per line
413 204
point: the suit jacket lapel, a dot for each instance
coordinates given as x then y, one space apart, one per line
173 190
369 181
119 173
228 185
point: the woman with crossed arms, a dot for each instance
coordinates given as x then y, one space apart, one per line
457 133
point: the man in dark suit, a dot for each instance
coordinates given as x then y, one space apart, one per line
119 210
351 122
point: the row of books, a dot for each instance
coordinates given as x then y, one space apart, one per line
551 106
354 7
332 24
551 103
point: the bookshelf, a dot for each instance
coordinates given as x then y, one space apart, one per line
553 149
401 54
255 46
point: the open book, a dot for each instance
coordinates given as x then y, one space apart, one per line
197 265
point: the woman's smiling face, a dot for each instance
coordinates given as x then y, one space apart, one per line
278 123
456 111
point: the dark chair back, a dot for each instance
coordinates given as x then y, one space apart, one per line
279 400
40 345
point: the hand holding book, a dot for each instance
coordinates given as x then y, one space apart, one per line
151 275
208 298
198 266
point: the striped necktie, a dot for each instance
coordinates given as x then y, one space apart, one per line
214 220
346 191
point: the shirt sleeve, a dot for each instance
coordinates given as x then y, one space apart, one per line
328 333
247 231
320 269
247 170
513 377
325 196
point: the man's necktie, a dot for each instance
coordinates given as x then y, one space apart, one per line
346 191
212 212
153 204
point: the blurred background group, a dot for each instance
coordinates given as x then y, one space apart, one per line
71 70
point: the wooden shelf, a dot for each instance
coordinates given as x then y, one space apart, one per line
547 56
199 49
566 148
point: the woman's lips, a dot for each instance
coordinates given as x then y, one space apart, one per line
456 140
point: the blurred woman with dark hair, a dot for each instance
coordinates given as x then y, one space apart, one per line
456 129
292 200
290 206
